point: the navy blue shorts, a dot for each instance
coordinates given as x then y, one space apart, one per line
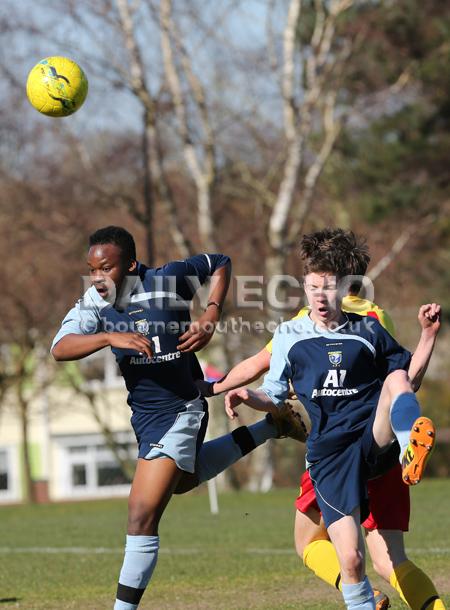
340 479
177 435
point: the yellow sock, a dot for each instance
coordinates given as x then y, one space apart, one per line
415 588
320 557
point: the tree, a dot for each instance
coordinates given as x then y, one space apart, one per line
240 144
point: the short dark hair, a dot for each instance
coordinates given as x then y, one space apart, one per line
117 236
336 251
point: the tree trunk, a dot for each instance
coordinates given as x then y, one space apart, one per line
148 149
30 495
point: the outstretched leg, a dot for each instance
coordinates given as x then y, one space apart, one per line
398 414
220 453
217 455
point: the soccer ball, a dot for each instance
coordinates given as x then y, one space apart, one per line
57 86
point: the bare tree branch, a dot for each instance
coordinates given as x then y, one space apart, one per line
332 129
203 176
290 109
319 60
137 73
271 47
167 201
399 244
257 186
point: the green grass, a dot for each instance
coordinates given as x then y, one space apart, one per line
241 559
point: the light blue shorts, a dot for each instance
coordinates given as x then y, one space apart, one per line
183 439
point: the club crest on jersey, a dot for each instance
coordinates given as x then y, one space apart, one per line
335 358
142 326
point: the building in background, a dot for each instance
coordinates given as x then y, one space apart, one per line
70 437
69 454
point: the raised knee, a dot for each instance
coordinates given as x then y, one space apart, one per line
398 377
143 519
352 563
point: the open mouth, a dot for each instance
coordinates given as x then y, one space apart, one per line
102 290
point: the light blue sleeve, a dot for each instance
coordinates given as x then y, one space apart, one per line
276 382
83 319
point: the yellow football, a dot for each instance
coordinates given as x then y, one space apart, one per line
57 86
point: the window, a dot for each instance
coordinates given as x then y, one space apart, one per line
79 475
90 468
110 474
9 478
4 475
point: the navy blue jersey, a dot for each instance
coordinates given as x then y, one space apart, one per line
157 306
337 375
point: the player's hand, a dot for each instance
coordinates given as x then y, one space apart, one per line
233 399
199 333
134 341
430 318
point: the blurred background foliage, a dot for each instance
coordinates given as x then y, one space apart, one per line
124 157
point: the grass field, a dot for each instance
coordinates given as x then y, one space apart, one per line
67 556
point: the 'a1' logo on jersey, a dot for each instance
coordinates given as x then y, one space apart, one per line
334 385
335 378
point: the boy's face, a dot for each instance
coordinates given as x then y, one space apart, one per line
107 270
323 297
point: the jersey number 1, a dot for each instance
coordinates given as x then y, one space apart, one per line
156 344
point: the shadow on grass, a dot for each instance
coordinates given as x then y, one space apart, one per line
8 600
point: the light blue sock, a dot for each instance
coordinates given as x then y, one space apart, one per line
358 596
404 411
216 455
141 554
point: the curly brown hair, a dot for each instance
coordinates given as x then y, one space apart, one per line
335 251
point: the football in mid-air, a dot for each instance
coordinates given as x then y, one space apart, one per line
57 86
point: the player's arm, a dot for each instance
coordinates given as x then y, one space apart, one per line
80 335
75 346
240 375
275 388
256 399
429 319
201 331
243 373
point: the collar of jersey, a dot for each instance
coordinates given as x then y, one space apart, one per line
325 330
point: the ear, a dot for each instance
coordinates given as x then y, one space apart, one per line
132 267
